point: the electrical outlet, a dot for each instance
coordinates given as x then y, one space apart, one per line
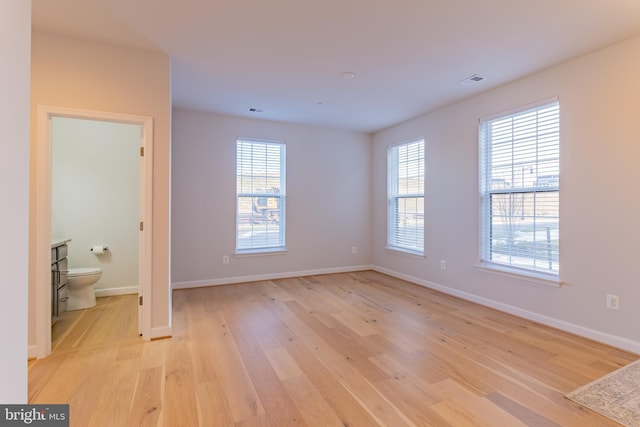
354 250
225 259
443 264
613 302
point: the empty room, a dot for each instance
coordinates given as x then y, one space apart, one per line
338 214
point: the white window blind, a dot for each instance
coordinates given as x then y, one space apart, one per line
406 197
260 196
519 178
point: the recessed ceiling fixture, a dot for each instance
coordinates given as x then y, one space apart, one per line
347 75
256 110
472 80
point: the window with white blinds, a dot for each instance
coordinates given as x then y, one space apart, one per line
519 179
260 196
406 197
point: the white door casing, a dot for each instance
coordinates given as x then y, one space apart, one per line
43 217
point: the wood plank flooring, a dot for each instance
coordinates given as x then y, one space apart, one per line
354 349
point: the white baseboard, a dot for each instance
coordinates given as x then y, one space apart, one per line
32 352
613 340
272 276
109 292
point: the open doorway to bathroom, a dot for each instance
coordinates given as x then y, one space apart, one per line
94 189
95 215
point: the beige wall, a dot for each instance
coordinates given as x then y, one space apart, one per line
328 199
15 41
599 98
81 74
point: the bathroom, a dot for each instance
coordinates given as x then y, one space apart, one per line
95 203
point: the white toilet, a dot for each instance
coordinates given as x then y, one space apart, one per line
80 284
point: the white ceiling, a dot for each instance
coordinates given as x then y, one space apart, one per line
286 56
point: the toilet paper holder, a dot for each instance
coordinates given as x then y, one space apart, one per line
104 248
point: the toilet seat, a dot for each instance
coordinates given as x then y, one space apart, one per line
83 271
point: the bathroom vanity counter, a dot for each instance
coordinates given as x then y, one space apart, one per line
55 242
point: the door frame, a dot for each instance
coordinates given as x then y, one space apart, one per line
42 209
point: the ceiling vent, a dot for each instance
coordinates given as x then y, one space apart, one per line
470 81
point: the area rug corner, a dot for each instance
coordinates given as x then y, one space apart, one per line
616 395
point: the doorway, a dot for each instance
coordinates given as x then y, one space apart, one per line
47 119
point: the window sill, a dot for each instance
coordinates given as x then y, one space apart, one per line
521 274
405 251
257 252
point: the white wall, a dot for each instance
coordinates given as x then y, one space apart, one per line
15 46
95 187
328 199
599 98
82 74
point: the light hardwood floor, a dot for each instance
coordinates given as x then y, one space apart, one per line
347 350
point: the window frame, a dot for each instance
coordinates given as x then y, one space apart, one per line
394 242
543 184
280 195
